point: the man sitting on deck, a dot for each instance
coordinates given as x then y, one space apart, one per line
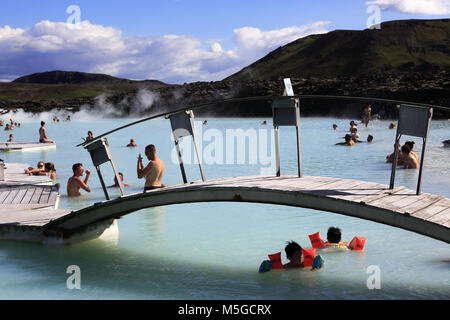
153 172
74 184
43 135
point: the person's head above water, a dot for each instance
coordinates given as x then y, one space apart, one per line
369 138
348 138
49 166
77 169
150 151
334 235
335 126
293 251
406 149
42 123
410 144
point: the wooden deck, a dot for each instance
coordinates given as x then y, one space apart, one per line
25 146
425 214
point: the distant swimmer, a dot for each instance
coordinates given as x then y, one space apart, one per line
392 126
369 138
354 134
43 135
264 123
205 122
348 141
153 172
8 127
132 143
366 115
335 126
294 253
116 183
352 125
74 184
446 143
68 119
11 138
409 161
89 137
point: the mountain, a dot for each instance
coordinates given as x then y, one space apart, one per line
74 77
399 47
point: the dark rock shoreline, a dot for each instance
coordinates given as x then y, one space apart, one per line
430 88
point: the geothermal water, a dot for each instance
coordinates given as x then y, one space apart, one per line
213 250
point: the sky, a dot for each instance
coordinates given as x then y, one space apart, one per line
176 41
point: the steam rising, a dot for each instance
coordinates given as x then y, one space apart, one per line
130 106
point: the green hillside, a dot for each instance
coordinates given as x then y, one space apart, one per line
398 47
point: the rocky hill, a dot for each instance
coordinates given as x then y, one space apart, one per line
399 47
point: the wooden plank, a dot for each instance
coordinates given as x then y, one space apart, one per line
4 195
372 195
442 217
18 198
388 201
45 195
36 195
430 211
27 198
361 190
423 203
11 196
53 196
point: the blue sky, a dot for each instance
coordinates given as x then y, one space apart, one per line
197 24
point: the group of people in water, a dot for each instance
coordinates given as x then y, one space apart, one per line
353 137
9 126
407 157
294 251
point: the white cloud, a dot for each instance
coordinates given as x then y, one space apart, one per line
171 58
431 7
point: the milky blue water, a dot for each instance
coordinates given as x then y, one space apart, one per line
213 250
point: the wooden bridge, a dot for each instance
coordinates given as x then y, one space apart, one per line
425 214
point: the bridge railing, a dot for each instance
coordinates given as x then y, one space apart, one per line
414 120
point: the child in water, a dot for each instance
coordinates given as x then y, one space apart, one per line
294 254
334 239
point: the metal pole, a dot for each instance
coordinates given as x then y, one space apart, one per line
299 148
419 182
180 160
102 182
194 134
116 173
394 162
277 151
